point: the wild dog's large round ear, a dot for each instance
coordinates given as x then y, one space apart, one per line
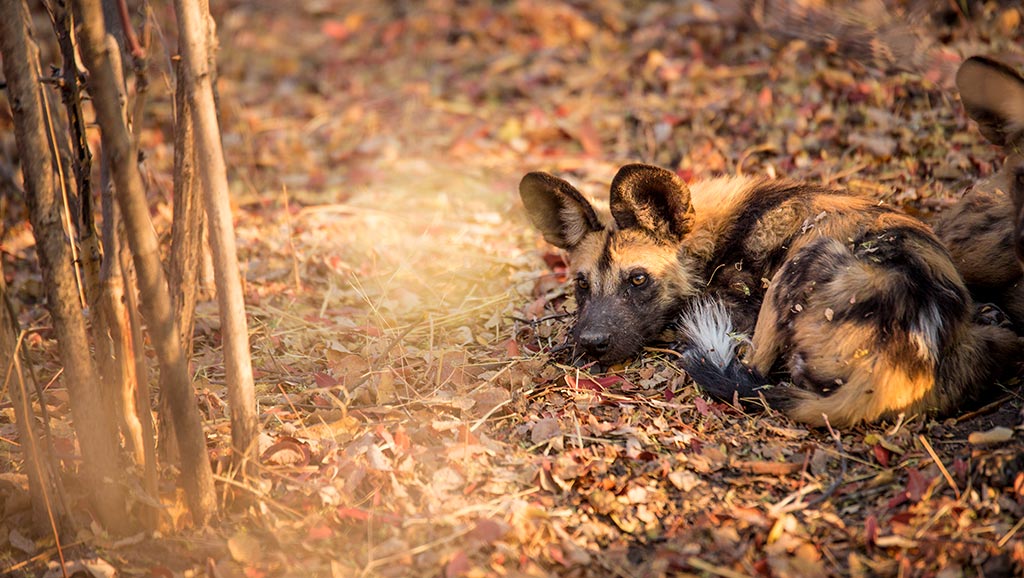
993 94
557 209
653 199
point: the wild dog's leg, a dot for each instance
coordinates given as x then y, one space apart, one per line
769 334
708 326
792 288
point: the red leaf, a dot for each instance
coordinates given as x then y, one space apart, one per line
582 383
960 469
402 441
342 29
589 139
916 485
556 554
702 406
511 348
882 455
318 399
323 380
902 518
900 498
610 380
871 529
536 307
593 383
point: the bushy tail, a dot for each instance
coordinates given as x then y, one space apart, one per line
710 357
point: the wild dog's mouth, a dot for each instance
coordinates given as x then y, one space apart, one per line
584 357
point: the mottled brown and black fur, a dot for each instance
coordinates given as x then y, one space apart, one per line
860 304
985 229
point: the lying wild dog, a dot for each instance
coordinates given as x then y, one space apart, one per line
986 227
860 304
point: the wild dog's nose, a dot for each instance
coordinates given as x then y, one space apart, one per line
595 342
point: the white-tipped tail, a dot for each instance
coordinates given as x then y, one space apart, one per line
707 326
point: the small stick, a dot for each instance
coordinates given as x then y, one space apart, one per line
1006 538
842 466
540 319
985 409
942 467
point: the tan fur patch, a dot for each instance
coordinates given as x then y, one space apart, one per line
715 203
585 256
870 396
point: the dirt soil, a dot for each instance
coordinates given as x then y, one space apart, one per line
421 415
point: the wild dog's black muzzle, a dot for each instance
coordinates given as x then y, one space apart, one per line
595 342
609 330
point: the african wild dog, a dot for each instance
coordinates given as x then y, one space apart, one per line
986 227
859 303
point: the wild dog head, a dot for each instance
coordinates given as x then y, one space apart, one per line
993 94
630 277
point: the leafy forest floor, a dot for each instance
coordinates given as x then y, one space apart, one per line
420 416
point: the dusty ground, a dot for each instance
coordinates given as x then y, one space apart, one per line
403 314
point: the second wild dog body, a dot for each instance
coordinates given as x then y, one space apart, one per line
860 304
985 229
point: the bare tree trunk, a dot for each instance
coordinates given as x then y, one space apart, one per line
93 422
186 235
119 309
156 303
195 34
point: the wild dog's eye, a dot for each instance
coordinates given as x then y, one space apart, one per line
582 283
638 279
